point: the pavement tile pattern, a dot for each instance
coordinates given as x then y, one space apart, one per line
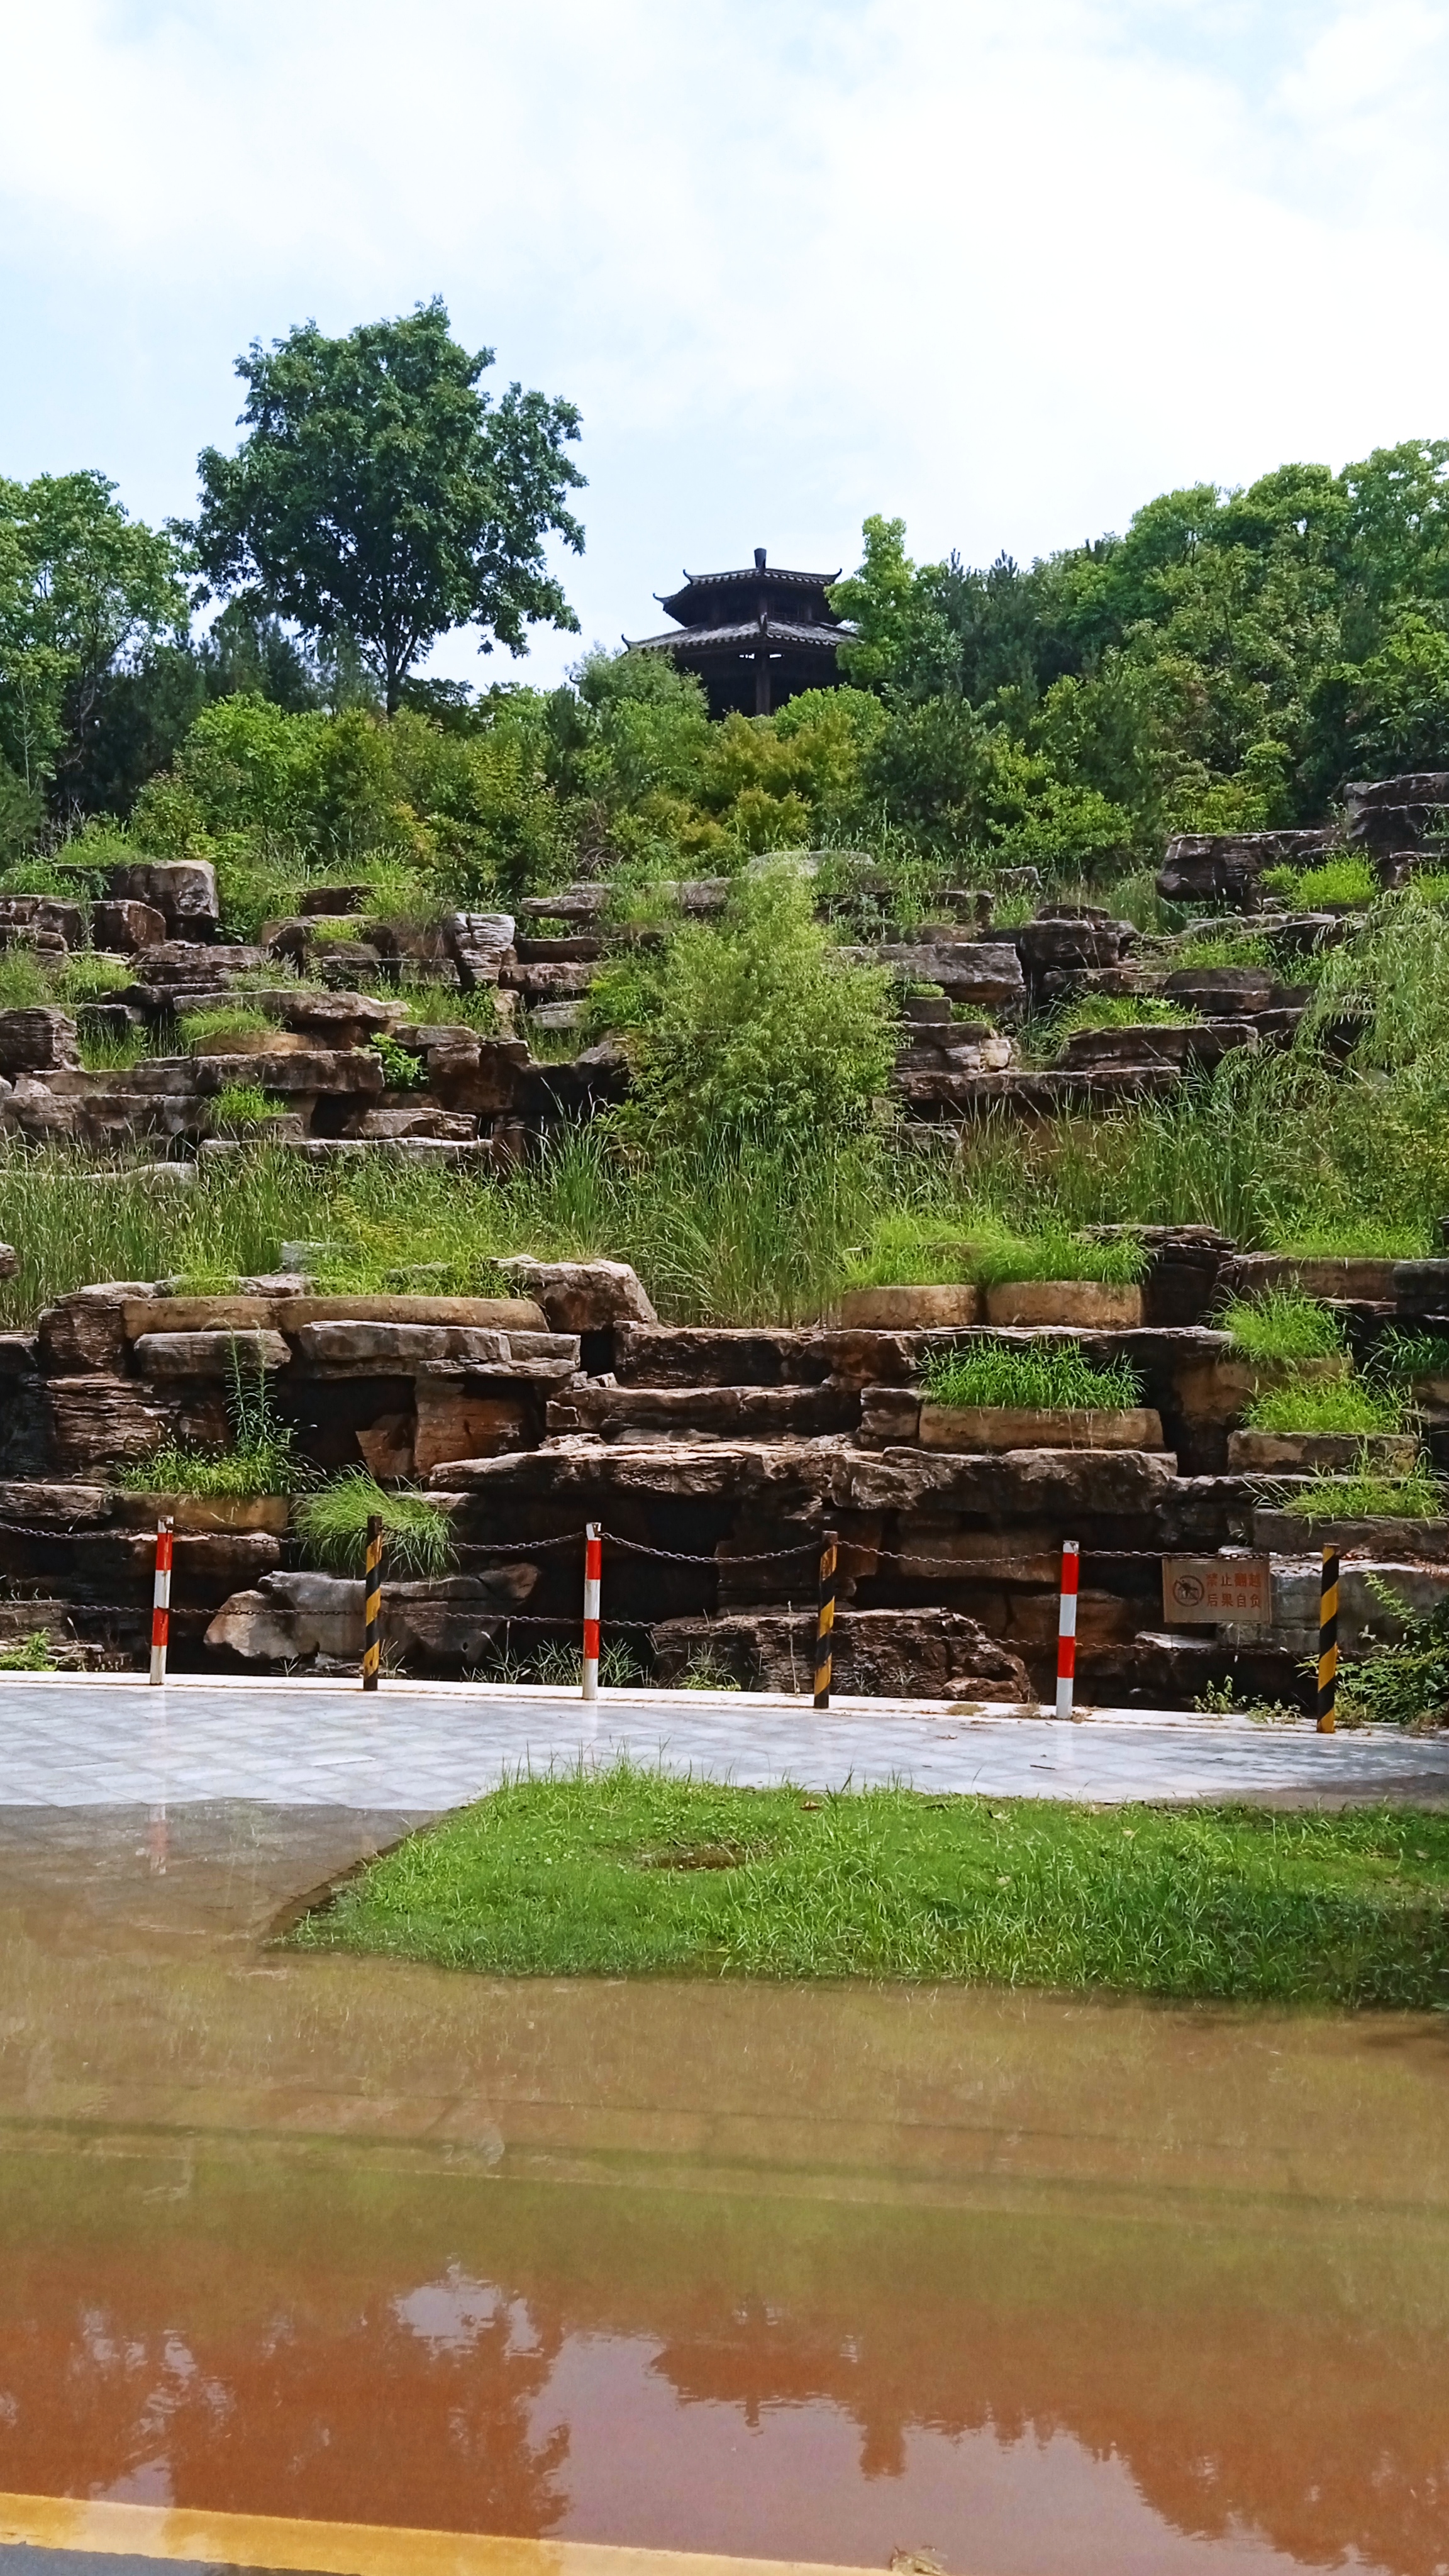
97 1742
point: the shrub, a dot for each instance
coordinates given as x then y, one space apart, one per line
1406 1684
401 1069
332 1525
33 1654
1283 1325
759 1029
1053 1376
1343 1404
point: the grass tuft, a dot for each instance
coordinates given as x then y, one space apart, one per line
1342 1404
1369 1497
332 1526
1283 1325
1053 1375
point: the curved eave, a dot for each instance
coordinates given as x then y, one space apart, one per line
743 639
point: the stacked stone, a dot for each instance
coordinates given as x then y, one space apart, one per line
713 1457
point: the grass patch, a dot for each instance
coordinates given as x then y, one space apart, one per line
635 1873
1344 1404
1283 1325
261 1460
1054 1375
241 1107
1221 950
1121 1011
1056 1252
1366 1496
1346 883
910 1251
1402 1357
225 1020
332 1526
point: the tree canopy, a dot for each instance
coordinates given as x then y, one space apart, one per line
379 495
84 590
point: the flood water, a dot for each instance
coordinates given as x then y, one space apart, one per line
1052 2288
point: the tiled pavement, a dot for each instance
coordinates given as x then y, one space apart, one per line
89 1741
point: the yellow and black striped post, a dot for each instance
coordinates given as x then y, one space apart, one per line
1328 1644
372 1606
825 1621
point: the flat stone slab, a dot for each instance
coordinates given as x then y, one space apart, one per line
98 1741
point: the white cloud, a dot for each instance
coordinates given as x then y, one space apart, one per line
1008 269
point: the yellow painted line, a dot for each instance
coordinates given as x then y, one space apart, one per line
349 2548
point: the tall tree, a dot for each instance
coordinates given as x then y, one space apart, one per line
84 592
380 496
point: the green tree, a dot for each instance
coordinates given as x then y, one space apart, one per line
85 592
380 496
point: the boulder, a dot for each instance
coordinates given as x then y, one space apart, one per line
1408 1542
88 1330
1092 1305
1211 867
1306 1453
179 964
1068 937
38 1040
1068 1487
9 1261
586 902
183 891
292 1617
1352 1279
386 1125
480 943
336 901
1392 815
1421 1287
894 1654
100 1422
1221 991
186 1355
398 1350
582 1296
1001 1426
986 973
309 1072
39 921
125 927
719 1412
911 1309
473 1076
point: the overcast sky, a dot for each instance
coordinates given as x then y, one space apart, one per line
1002 267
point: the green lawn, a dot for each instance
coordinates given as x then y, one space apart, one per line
635 1874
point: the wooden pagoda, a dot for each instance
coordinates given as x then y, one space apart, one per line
755 638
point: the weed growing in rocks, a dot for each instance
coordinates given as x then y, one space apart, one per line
1283 1325
1367 1496
1343 1404
332 1526
1055 1376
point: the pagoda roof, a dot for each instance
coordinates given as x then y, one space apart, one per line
687 603
745 637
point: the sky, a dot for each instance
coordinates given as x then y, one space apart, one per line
1002 268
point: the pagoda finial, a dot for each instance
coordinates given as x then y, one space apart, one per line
759 558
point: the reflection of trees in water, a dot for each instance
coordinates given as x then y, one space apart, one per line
374 2345
414 2407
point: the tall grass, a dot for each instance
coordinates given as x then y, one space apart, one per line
1054 1376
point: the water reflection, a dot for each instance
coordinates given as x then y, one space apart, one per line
1050 2288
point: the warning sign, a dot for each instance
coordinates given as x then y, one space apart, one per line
1213 1591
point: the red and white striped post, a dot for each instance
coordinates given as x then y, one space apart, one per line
161 1604
593 1571
1067 1627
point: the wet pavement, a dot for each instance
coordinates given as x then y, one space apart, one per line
1049 2287
91 1740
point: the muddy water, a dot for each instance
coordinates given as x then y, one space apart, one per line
1052 2288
